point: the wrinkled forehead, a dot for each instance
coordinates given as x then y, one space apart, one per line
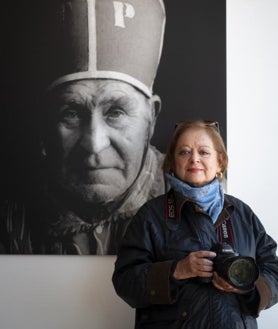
95 89
94 94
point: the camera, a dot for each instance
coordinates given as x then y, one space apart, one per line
240 271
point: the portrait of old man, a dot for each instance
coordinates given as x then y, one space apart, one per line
97 62
90 92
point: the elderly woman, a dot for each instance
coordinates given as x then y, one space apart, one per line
196 257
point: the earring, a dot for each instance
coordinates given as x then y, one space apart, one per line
219 175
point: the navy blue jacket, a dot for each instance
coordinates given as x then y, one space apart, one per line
153 244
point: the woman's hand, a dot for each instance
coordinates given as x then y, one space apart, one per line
197 263
223 285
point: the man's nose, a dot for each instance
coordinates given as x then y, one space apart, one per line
95 136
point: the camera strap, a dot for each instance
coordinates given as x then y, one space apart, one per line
170 205
224 231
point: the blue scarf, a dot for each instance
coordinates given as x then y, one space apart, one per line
209 197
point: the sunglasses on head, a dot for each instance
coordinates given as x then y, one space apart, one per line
209 123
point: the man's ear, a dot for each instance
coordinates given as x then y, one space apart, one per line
155 108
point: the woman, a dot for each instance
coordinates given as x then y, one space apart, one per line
172 265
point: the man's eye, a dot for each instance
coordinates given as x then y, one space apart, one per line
115 113
71 115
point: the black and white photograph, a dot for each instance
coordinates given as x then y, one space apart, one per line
91 91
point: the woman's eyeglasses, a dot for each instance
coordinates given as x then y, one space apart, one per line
214 124
209 123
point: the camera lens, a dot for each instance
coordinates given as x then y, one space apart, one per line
242 272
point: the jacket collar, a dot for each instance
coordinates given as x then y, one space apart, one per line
228 207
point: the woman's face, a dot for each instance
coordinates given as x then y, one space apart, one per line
196 161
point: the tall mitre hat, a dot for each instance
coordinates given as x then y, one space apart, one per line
104 39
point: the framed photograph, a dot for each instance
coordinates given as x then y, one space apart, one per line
91 91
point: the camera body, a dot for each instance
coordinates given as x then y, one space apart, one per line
240 271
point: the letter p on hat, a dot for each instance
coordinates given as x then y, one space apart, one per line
104 39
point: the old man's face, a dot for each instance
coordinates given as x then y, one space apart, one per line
97 138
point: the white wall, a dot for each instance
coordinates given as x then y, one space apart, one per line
60 292
57 292
252 106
